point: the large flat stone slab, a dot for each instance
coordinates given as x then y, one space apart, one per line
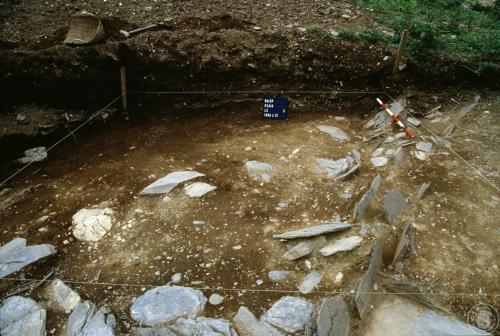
22 316
360 207
363 294
314 231
248 325
396 316
169 182
341 245
15 255
333 318
290 314
87 320
394 202
335 132
167 303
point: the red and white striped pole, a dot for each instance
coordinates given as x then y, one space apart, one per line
396 118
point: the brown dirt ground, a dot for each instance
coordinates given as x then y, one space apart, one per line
454 256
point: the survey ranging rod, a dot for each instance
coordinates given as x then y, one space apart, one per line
396 118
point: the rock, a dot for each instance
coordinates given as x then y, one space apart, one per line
333 317
176 278
260 171
335 226
33 155
394 202
278 275
360 207
362 297
15 255
91 225
333 168
202 326
290 314
215 299
403 244
421 191
334 132
399 156
310 281
413 121
379 161
396 316
21 316
379 151
342 245
422 156
248 325
298 251
164 304
199 189
85 320
21 118
424 146
339 277
169 182
153 332
61 296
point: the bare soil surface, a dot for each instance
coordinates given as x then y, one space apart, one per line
454 254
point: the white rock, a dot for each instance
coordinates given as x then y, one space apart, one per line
420 155
198 189
342 245
310 281
176 278
62 296
215 299
334 132
379 161
278 275
34 155
260 171
91 225
169 182
339 277
378 151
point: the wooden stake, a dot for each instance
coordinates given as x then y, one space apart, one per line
399 53
123 81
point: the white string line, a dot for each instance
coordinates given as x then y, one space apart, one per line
64 138
236 289
444 142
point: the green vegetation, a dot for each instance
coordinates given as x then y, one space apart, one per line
372 35
464 31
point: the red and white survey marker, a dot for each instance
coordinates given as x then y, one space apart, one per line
396 118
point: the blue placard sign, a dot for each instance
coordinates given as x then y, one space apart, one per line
275 108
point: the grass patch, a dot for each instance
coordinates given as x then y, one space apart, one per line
465 31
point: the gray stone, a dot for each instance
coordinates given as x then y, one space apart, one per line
290 314
298 251
202 326
413 121
310 281
169 182
153 332
15 255
399 156
199 189
403 244
215 299
34 155
424 146
21 316
278 275
86 320
379 161
260 171
396 316
421 191
334 226
360 207
164 304
362 297
333 317
61 296
341 245
248 325
394 202
334 132
90 225
333 168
